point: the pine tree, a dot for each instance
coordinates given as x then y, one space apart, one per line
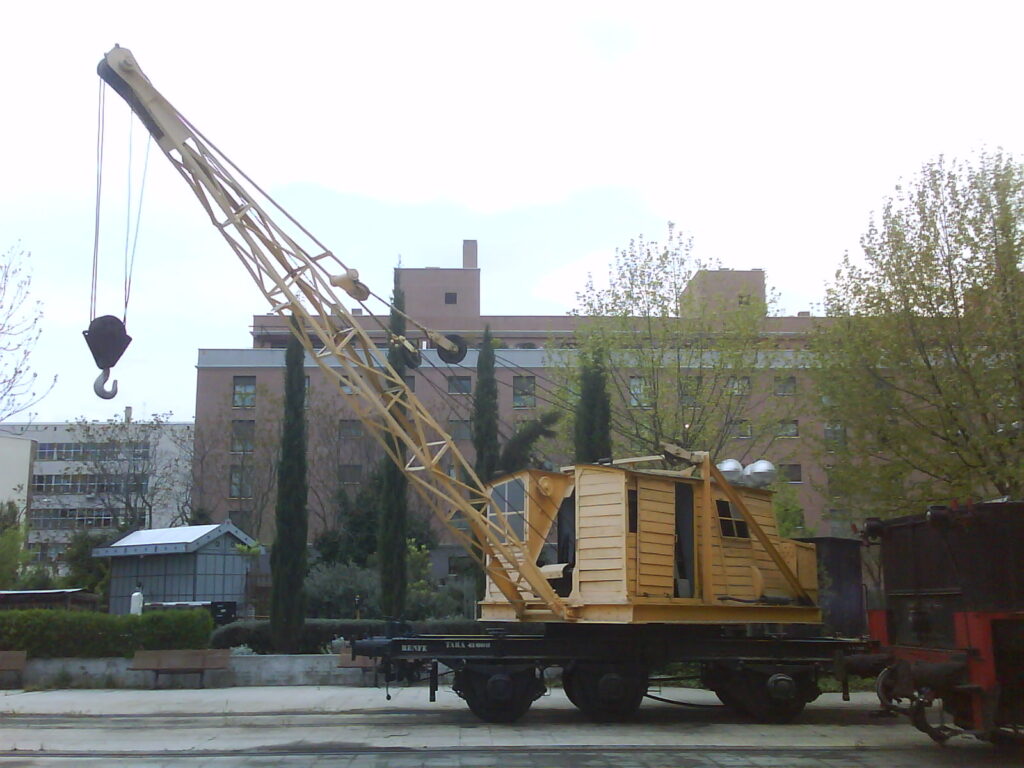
391 541
485 411
593 416
288 557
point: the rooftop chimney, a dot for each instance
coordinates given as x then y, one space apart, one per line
469 254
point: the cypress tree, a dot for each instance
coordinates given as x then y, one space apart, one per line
485 411
288 556
391 540
592 430
517 453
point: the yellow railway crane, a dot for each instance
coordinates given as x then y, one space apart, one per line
649 565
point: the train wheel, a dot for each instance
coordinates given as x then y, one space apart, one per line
498 694
568 687
767 695
607 692
776 698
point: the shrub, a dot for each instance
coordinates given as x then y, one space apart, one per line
45 634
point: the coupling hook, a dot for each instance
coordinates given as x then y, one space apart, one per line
98 385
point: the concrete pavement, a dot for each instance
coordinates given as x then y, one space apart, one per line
260 717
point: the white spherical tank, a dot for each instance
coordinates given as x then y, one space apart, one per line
731 470
760 473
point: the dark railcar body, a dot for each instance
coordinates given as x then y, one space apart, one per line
953 622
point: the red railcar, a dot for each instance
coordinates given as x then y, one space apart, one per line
952 627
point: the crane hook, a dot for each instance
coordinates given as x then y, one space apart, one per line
98 385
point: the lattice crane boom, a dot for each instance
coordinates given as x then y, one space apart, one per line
301 285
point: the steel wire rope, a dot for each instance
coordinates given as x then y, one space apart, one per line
377 319
566 405
100 131
129 268
514 367
213 148
471 399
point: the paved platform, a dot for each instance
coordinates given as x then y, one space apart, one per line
356 727
314 699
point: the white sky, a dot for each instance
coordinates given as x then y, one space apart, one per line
551 132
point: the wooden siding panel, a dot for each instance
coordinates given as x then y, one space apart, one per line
601 562
655 536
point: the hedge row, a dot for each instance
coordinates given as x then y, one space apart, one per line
47 634
317 634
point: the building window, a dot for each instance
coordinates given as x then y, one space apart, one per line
743 299
349 428
689 389
243 392
243 436
460 385
410 382
65 518
89 484
835 435
785 385
741 428
350 474
789 428
240 482
460 429
731 521
107 451
451 297
791 473
638 396
524 392
738 385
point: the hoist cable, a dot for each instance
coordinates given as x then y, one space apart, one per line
130 260
128 210
99 189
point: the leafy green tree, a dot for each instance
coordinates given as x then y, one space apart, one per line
921 361
83 570
485 411
679 363
393 492
789 515
36 577
517 453
592 426
354 540
13 555
288 556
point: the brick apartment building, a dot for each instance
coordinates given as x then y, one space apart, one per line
239 394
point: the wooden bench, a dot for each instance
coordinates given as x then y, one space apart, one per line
181 662
14 661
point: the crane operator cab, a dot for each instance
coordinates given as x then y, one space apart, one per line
624 544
